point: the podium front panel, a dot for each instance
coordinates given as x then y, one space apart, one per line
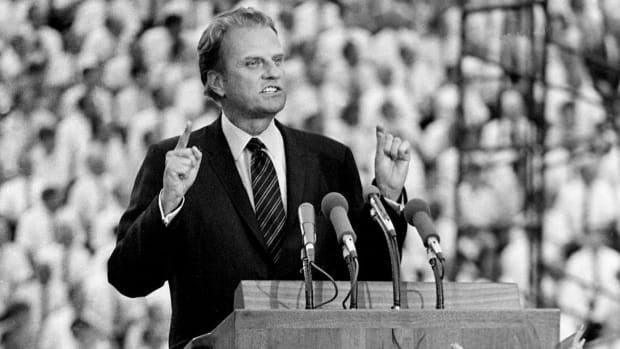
422 329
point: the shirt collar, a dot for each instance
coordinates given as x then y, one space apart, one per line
238 138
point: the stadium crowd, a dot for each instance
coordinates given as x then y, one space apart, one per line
87 85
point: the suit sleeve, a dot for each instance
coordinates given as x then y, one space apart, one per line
374 257
142 259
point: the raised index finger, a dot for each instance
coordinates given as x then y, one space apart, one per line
380 131
182 142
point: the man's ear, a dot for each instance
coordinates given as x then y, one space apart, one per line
215 83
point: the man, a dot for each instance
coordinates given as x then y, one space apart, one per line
197 220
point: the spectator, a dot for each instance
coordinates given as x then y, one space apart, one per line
15 267
511 128
565 133
45 157
589 203
146 127
133 98
35 227
73 136
591 286
16 332
104 42
161 43
20 193
90 192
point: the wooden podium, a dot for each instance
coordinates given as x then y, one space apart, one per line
272 314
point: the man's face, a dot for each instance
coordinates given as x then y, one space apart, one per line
252 78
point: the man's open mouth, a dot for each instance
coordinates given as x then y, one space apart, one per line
271 89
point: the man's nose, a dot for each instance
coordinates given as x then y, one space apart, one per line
272 71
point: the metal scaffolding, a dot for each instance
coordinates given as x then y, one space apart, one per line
520 18
523 18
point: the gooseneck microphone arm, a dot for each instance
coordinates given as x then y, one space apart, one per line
307 270
307 223
438 271
379 215
353 267
395 261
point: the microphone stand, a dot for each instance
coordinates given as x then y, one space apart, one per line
307 279
394 257
437 266
353 266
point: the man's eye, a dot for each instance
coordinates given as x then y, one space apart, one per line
253 63
278 61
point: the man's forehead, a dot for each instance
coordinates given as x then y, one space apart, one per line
250 41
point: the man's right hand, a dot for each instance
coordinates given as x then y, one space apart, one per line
182 166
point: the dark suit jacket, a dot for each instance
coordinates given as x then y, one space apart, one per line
215 240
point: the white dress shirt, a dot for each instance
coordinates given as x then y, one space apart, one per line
274 143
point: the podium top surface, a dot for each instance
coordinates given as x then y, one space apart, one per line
263 295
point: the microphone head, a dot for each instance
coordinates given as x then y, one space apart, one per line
417 213
307 221
332 200
335 207
371 190
413 207
306 213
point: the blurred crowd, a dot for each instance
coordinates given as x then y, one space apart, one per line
87 85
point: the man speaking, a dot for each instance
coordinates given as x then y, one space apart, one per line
218 205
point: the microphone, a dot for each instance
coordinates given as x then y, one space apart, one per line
417 214
335 206
306 216
378 210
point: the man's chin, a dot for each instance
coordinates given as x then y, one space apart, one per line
273 107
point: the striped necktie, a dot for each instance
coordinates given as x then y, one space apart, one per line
268 204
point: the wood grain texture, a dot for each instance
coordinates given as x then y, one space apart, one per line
424 329
377 295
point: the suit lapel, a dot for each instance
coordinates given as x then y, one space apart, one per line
296 171
224 166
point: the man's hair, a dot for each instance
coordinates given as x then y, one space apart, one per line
210 43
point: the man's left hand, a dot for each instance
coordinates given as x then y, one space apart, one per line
391 163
